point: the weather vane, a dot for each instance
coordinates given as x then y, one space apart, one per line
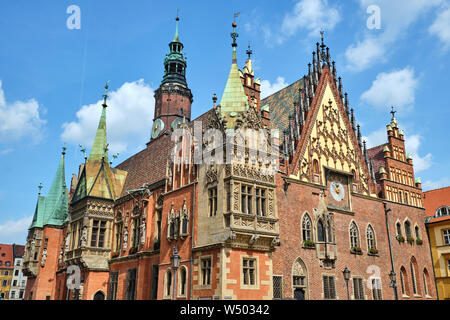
393 112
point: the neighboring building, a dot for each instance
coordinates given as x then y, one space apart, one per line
240 230
437 205
18 281
6 269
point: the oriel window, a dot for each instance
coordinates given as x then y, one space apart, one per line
212 196
246 199
98 233
261 202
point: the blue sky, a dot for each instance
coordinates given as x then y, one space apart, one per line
52 77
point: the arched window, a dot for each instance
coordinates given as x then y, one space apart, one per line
354 236
408 229
300 280
306 228
371 243
413 278
316 166
426 281
329 233
442 211
399 229
182 282
320 231
404 281
417 232
168 284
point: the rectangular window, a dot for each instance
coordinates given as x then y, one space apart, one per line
21 294
14 283
277 287
358 288
206 271
136 229
261 202
446 237
246 199
131 284
376 289
16 272
98 233
329 289
249 271
13 294
113 281
212 196
5 283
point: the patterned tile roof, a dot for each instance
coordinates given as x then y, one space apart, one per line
281 104
376 156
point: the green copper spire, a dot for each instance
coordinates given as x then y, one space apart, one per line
99 148
176 38
234 98
57 200
53 209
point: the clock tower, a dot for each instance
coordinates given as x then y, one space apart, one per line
173 99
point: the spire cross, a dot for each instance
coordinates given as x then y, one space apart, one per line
249 51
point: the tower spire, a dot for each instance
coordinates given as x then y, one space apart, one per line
98 148
234 98
176 38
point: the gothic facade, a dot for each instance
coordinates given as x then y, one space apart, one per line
163 225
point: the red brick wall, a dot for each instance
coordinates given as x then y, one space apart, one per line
300 198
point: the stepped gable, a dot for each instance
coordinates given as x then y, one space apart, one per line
376 157
281 104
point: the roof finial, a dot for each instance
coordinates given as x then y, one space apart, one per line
249 51
393 112
40 188
64 150
84 152
234 35
176 37
105 96
214 99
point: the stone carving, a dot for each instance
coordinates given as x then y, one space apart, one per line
142 231
44 257
253 239
211 175
297 269
83 238
67 242
276 241
125 238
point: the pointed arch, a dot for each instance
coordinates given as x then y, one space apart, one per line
426 282
307 234
300 285
371 238
404 285
415 276
321 232
354 235
168 284
407 225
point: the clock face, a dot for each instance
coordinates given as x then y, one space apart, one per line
158 126
337 190
176 123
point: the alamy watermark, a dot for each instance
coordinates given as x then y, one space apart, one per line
374 20
74 20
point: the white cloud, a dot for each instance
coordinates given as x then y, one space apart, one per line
308 15
362 54
396 88
129 118
441 27
412 145
15 231
376 138
20 119
396 17
267 88
431 185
